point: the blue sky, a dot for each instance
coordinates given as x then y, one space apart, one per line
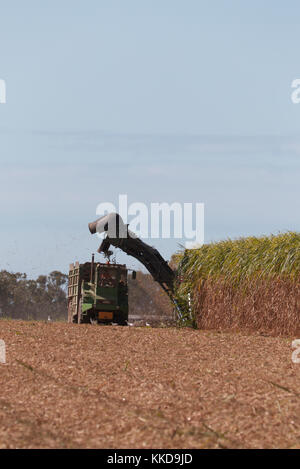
164 100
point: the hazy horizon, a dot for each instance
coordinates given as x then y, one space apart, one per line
164 101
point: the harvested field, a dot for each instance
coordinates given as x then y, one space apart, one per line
70 386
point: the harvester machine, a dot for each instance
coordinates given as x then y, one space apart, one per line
98 292
118 235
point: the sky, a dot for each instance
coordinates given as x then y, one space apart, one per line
162 100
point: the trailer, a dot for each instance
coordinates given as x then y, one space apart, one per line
98 293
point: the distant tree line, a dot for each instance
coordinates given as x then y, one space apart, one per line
24 298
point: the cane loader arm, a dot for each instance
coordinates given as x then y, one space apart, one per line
119 236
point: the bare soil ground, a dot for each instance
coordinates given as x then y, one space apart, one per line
70 386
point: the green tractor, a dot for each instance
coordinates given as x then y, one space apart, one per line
98 293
